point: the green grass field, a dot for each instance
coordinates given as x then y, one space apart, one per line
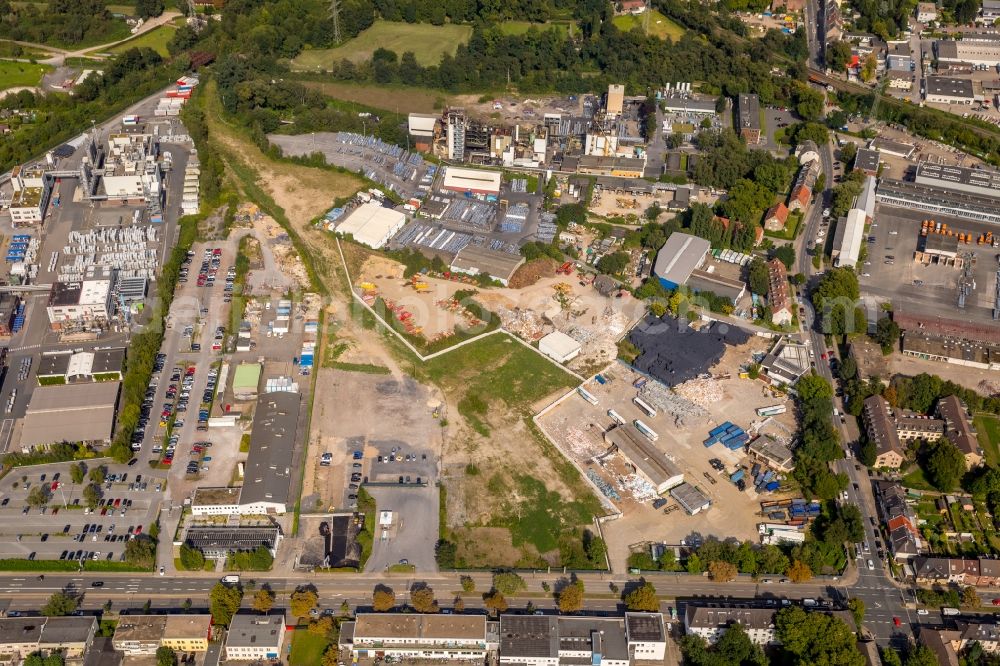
521 27
428 43
155 39
17 74
653 22
988 430
307 649
9 49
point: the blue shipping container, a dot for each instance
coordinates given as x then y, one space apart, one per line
736 476
600 379
772 486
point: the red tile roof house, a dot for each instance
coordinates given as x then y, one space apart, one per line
776 217
631 6
801 196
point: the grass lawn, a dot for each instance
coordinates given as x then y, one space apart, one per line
17 74
155 39
9 49
988 429
916 480
390 98
653 23
428 43
307 648
127 10
791 227
521 27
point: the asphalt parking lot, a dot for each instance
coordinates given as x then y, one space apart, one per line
65 524
928 289
414 529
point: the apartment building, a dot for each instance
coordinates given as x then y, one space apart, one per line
712 622
22 636
542 640
254 637
138 635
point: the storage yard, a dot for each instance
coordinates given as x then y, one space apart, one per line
676 424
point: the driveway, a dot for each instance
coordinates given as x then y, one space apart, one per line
414 529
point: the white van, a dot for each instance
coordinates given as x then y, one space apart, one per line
231 579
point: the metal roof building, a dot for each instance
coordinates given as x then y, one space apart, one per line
983 182
246 380
651 463
268 476
70 413
939 199
219 542
560 347
691 498
848 237
475 260
372 224
472 181
678 258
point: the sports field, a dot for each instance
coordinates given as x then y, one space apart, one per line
653 22
18 74
428 43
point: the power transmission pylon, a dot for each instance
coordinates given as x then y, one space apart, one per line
335 15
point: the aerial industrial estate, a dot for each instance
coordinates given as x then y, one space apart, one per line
298 364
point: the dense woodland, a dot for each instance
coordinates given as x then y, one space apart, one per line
60 22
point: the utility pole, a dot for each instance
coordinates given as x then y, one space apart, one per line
335 15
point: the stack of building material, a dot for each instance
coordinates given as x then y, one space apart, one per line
701 391
279 384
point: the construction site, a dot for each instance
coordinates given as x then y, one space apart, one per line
675 460
425 305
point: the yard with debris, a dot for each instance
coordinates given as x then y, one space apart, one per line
685 414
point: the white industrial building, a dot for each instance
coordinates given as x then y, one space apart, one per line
560 347
969 52
478 183
949 90
372 224
131 173
32 192
848 238
407 636
88 300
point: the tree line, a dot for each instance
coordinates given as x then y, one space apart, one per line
59 22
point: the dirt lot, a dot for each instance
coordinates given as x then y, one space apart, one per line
578 427
624 205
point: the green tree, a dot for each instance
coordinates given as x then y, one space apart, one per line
722 572
422 600
140 552
98 474
92 495
303 600
38 497
77 471
595 548
571 597
60 604
890 657
495 601
468 584
147 9
733 648
383 599
224 600
816 638
165 656
263 600
887 334
835 302
321 626
758 276
508 583
848 152
785 254
944 465
192 558
614 263
446 554
920 655
799 572
857 608
808 102
643 598
838 54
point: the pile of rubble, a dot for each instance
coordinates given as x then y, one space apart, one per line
636 486
702 391
683 411
603 485
525 324
989 387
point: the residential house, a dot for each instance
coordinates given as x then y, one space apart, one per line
802 189
881 430
958 429
904 540
711 622
776 217
777 293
